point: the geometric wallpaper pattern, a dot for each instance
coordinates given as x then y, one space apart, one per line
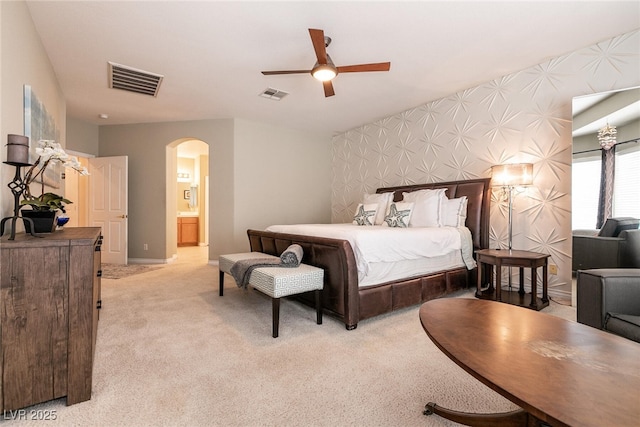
520 117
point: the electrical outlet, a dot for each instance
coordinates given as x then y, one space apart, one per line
553 269
146 247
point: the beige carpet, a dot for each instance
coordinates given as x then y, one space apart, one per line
171 352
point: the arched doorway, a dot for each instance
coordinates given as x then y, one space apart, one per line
188 202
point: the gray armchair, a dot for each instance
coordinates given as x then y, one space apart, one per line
616 245
609 299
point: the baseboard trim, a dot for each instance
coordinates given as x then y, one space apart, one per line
152 260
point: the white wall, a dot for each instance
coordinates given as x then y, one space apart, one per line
23 61
520 117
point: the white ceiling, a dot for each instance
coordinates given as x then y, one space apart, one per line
211 53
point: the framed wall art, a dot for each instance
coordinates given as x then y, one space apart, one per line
39 124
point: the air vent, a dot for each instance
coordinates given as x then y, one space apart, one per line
273 94
133 80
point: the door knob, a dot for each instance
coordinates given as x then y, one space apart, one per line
123 216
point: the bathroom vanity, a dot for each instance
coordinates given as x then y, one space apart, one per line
187 230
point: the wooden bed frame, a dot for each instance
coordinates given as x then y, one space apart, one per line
343 298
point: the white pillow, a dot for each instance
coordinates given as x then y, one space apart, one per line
427 209
383 200
455 212
399 215
365 214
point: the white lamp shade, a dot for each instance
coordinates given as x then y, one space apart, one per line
510 175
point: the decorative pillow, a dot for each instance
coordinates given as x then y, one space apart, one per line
427 207
454 212
365 214
383 200
399 215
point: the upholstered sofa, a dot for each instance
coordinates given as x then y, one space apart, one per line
615 245
609 299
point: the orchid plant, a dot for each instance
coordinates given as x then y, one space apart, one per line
48 151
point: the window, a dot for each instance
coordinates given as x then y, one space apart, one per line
586 187
585 175
626 199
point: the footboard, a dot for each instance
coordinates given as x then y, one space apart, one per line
340 295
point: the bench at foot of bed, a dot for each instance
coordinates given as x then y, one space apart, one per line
278 282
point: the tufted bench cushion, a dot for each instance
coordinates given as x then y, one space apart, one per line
277 282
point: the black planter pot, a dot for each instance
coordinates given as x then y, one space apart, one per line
43 221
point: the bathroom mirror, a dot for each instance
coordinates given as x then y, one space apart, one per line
193 196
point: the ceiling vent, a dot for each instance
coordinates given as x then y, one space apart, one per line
133 80
273 94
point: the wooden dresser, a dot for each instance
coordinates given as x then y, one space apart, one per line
49 297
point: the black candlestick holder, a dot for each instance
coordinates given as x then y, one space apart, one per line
17 186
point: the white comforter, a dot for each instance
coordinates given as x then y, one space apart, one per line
389 244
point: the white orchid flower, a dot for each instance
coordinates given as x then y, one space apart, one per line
48 150
72 162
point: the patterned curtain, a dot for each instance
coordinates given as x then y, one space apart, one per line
605 202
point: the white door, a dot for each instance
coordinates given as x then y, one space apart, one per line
108 205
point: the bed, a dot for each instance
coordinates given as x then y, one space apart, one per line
343 297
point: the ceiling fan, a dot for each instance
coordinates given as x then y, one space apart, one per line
324 69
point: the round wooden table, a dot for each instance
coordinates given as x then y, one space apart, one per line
559 372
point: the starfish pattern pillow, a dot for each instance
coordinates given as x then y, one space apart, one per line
399 215
365 214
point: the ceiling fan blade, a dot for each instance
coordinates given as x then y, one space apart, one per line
317 38
328 89
271 73
378 66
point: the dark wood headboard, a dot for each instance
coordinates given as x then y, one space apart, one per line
478 192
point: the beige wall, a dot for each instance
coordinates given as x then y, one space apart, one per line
520 117
590 142
82 137
281 176
601 110
23 61
145 145
247 161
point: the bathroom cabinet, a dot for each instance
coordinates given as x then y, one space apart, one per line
50 296
188 231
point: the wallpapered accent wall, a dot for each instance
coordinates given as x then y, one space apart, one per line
520 117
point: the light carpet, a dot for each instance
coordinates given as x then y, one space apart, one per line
171 352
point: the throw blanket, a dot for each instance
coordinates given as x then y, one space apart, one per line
292 256
241 270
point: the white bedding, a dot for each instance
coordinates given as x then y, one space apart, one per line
377 245
383 272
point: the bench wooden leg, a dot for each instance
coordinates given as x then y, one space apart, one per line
275 308
318 308
221 281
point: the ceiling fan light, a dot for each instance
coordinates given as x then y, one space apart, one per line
324 72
